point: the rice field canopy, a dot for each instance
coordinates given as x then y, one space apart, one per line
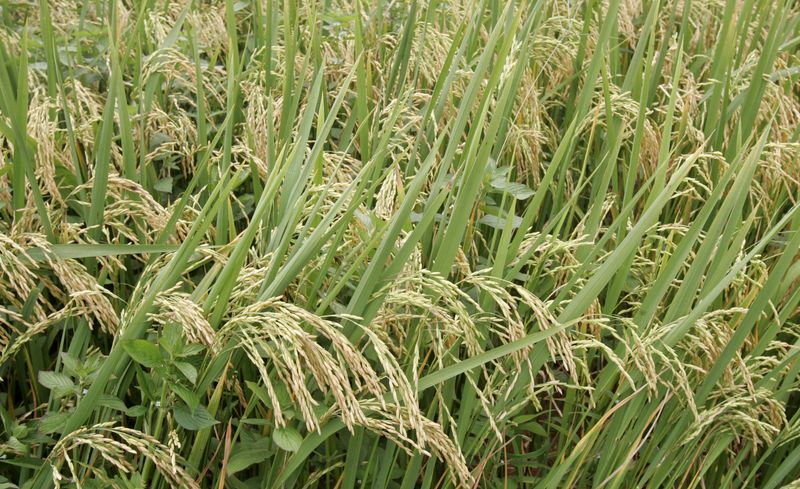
399 244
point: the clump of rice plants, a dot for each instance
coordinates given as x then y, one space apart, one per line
399 244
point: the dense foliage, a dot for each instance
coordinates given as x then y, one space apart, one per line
399 244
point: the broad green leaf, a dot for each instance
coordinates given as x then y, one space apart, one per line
56 381
287 438
136 411
144 353
515 189
244 457
112 403
188 370
193 420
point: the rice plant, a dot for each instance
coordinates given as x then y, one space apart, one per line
399 244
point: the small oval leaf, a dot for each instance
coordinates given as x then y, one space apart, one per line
144 353
193 420
287 438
